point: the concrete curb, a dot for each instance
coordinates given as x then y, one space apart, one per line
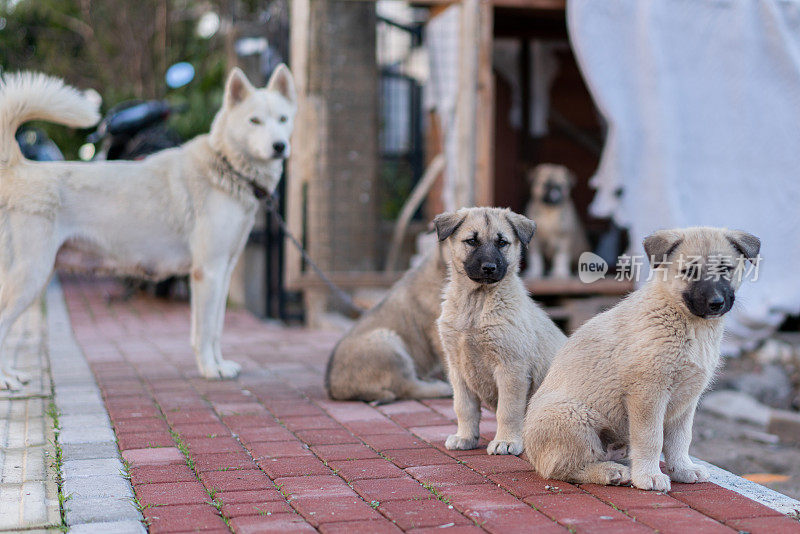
93 474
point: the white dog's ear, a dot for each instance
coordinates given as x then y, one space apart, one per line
659 245
523 227
237 88
447 223
747 244
283 82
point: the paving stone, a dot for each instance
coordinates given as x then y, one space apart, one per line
723 504
375 526
154 456
326 436
96 467
171 493
89 451
28 505
249 496
24 465
353 451
152 474
445 475
279 449
183 518
101 509
134 440
627 498
262 508
223 461
679 520
574 509
523 484
276 523
417 457
314 486
297 466
110 486
394 489
117 527
236 480
92 434
765 525
422 513
325 509
351 470
381 442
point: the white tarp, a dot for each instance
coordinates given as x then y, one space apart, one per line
702 99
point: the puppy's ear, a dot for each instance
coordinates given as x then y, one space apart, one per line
447 223
237 88
659 245
523 227
747 244
282 82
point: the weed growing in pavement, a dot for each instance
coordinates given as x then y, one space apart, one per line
58 464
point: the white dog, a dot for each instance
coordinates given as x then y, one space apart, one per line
186 210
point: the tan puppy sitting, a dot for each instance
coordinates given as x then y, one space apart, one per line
394 351
498 343
631 376
560 237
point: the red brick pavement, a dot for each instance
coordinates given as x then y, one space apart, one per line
270 453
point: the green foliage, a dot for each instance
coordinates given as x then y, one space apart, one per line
121 49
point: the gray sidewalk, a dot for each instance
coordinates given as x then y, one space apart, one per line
95 493
28 489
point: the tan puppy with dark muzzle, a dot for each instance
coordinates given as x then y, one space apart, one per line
631 376
560 237
394 351
498 343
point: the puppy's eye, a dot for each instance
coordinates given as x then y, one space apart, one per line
283 118
255 120
502 242
472 241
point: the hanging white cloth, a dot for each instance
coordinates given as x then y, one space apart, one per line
702 99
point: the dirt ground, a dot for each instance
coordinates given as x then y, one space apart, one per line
740 448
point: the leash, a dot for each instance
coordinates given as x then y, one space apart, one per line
270 202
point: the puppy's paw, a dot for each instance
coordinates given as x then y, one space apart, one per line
651 481
220 370
502 446
688 473
619 475
229 369
9 382
21 376
457 443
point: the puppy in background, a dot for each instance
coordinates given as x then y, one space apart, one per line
498 343
631 376
394 351
560 238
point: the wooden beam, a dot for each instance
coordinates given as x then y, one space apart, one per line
538 288
484 119
467 103
522 4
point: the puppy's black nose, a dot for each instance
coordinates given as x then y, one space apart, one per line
279 147
716 303
488 268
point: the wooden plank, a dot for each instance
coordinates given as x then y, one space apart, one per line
301 164
521 4
467 103
485 139
539 288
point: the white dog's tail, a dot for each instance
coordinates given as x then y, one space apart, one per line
26 96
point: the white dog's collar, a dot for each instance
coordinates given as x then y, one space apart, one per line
228 178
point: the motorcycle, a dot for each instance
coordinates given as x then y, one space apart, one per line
36 146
